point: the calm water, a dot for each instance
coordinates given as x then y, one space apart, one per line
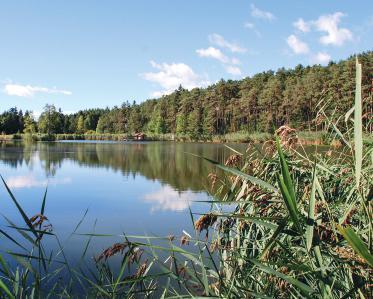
134 188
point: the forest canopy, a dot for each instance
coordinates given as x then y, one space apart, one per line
254 104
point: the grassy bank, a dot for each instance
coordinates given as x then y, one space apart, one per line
304 137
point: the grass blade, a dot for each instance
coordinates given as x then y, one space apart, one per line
5 289
311 213
286 174
43 203
288 201
300 285
23 214
241 174
356 243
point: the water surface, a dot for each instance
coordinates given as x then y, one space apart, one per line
142 188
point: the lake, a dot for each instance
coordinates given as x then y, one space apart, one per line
137 188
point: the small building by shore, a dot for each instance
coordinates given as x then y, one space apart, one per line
139 136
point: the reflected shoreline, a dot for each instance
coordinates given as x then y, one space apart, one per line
166 162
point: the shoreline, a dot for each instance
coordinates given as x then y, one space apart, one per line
304 138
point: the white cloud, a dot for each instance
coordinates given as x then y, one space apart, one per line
29 91
235 60
233 70
29 181
218 40
321 58
298 46
217 54
171 76
168 199
329 24
213 53
301 25
252 27
261 14
249 25
229 64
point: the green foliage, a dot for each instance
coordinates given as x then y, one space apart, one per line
11 121
29 124
80 125
51 120
253 104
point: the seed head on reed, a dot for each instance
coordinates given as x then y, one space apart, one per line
233 160
269 147
214 245
184 240
38 219
213 178
182 272
348 254
215 287
112 250
319 119
325 233
282 286
135 255
288 136
349 216
226 225
171 238
142 269
205 221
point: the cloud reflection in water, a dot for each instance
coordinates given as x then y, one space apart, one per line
29 181
168 199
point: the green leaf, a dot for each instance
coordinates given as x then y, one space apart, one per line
285 173
288 201
233 150
241 174
5 289
287 187
4 266
272 240
12 239
23 214
311 213
356 243
43 203
300 285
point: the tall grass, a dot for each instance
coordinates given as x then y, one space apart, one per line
282 225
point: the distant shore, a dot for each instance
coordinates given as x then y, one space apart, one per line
305 138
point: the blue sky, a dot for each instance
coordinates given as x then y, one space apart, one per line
85 54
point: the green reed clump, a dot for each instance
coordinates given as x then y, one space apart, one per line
302 226
243 137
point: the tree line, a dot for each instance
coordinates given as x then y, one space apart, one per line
254 104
